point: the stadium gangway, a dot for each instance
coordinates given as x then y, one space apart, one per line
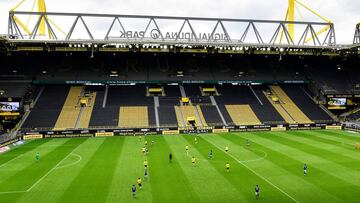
224 32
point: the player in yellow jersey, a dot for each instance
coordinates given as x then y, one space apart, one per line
226 149
143 150
139 182
195 140
145 164
193 161
227 167
187 150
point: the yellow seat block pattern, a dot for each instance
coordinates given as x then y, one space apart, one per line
289 106
189 111
279 108
133 117
70 110
178 116
86 113
201 116
242 115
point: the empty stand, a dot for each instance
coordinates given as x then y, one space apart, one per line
265 112
151 116
172 91
235 94
242 115
192 90
305 103
48 107
200 115
70 111
86 112
169 101
289 106
211 115
128 95
226 115
102 116
179 117
190 111
167 116
123 97
133 116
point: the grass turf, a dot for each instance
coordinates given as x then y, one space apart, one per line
103 169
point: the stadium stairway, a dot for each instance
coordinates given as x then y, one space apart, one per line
86 111
133 116
179 117
293 111
242 115
192 111
201 115
280 109
305 102
70 110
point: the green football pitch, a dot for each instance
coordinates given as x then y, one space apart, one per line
103 169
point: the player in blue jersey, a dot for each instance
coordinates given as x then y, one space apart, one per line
305 169
133 190
170 157
257 191
146 174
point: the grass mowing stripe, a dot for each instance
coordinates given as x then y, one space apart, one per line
92 183
303 191
342 134
294 163
28 170
129 166
54 185
346 133
259 176
18 151
316 157
343 156
336 142
53 168
349 144
168 181
204 176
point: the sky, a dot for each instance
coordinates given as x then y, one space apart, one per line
344 13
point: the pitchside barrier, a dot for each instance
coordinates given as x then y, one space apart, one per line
9 142
33 134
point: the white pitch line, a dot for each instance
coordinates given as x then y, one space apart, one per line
262 177
11 192
52 169
43 177
71 164
11 160
258 159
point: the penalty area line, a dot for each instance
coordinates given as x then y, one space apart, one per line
51 170
13 159
256 173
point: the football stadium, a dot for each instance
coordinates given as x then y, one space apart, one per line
111 107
